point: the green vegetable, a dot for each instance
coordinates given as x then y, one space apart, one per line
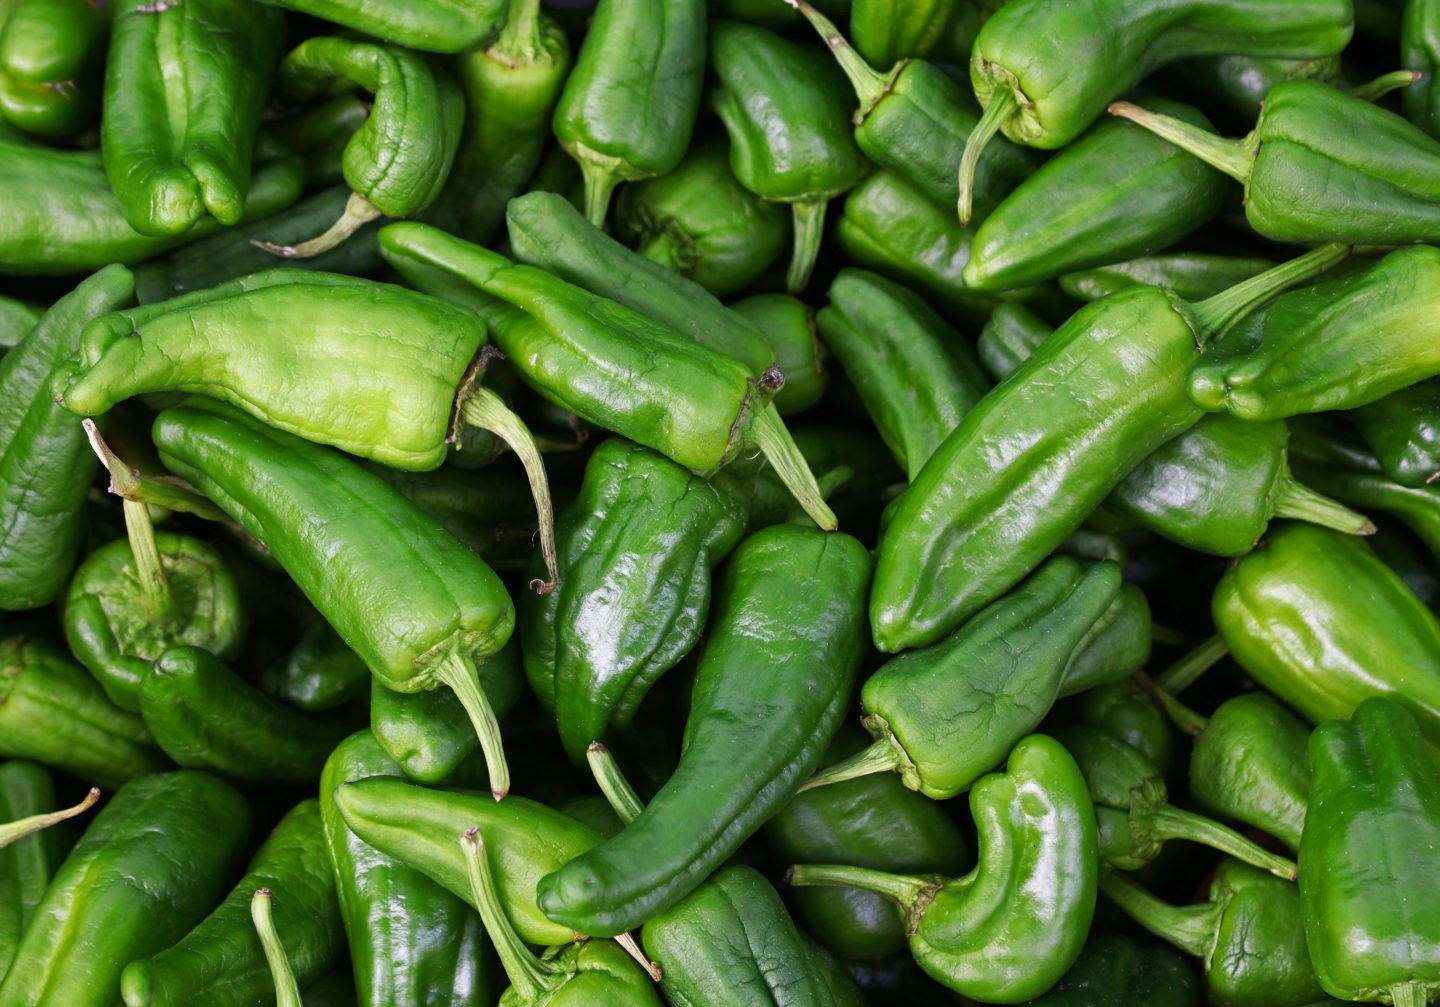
1116 971
50 57
428 25
788 325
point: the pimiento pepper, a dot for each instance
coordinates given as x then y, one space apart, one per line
50 57
629 106
1378 170
46 466
1368 888
1117 971
1193 275
181 112
150 865
782 106
221 961
1045 70
1011 928
1403 429
1133 812
397 163
1248 935
1287 612
788 325
318 673
1420 50
27 863
411 941
699 221
1026 467
760 720
427 25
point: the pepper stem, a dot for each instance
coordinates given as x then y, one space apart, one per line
1214 315
1003 105
1189 928
1383 85
870 84
484 409
140 530
770 435
612 783
809 217
902 889
532 977
1187 671
359 211
600 182
287 992
460 675
1172 823
633 949
879 757
520 41
14 831
1411 994
1184 718
1295 500
1234 157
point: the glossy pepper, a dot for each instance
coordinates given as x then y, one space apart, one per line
1123 709
1193 275
46 466
411 941
1420 50
1044 70
181 113
150 865
1403 429
1011 928
760 720
788 325
50 57
318 673
1365 485
491 513
1248 935
629 106
1009 337
221 960
1369 894
27 863
1287 612
427 25
783 109
887 31
17 318
699 221
1035 463
1236 85
1117 971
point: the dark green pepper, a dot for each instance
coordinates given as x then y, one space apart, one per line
1116 971
1123 709
1193 275
17 318
428 25
788 325
1010 336
492 513
1236 85
887 31
51 52
319 672
27 863
1403 429
1420 50
319 133
1416 507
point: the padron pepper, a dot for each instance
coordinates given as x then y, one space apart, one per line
1236 85
1193 275
1362 483
427 25
319 133
1403 429
1010 336
51 53
788 325
1118 971
318 673
1011 928
1124 710
887 31
1420 50
17 318
491 513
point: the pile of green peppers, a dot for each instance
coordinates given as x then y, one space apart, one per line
719 503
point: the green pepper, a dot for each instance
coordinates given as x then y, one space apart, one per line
782 107
1367 486
26 864
1248 935
1403 429
916 376
636 551
598 359
1026 467
319 133
1045 70
1193 275
1288 613
629 107
1116 192
1133 812
411 941
875 822
1368 889
150 865
17 318
887 31
221 961
1420 50
1116 971
1123 709
1238 84
1323 165
181 113
1010 336
788 325
1119 645
699 221
318 673
428 25
46 466
1011 928
491 514
50 57
788 591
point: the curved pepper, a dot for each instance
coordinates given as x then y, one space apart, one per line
782 107
181 112
150 865
1403 429
1119 645
28 863
1367 886
1420 50
1289 613
1011 928
491 514
760 719
319 133
1116 971
1045 70
788 325
1193 275
427 25
319 673
221 961
1248 935
629 106
51 52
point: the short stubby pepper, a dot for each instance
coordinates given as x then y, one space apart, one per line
1118 971
51 52
1403 429
788 325
1368 888
1011 928
428 25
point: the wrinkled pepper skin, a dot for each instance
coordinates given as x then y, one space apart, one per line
916 376
1368 889
28 864
699 221
761 718
221 961
1403 429
1420 50
181 112
46 465
50 57
1193 275
148 868
428 25
1117 971
788 325
636 552
629 106
1288 613
51 711
732 934
411 941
